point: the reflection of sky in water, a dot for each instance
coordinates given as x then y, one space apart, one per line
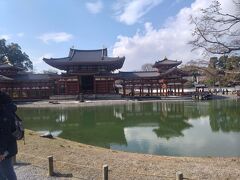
61 118
197 141
118 115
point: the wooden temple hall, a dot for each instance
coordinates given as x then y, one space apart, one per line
167 80
87 72
92 72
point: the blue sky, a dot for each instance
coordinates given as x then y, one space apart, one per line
142 30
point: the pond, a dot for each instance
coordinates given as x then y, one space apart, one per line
176 128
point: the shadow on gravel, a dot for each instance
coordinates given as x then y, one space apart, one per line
22 164
58 174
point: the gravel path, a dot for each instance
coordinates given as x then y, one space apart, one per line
26 171
30 172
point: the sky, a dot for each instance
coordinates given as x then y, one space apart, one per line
144 31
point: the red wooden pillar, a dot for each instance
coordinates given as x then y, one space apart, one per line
78 87
182 90
57 85
105 85
133 90
124 88
175 90
151 90
65 87
166 89
94 85
79 84
142 89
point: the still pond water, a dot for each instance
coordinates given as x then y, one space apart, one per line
210 128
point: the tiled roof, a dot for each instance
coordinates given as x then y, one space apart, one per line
166 61
5 78
138 74
32 77
176 71
9 66
86 57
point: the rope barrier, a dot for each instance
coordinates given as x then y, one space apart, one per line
144 174
34 156
79 165
100 169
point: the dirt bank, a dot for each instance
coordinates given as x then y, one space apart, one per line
85 162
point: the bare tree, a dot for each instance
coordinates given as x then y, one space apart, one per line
215 31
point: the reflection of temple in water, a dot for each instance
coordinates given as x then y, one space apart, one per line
105 125
224 116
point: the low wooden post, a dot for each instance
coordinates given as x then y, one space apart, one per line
50 166
105 172
179 175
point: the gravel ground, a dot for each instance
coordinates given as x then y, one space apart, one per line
27 171
30 172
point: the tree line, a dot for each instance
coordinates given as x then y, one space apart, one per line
12 53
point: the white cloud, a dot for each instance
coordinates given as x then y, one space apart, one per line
154 44
39 60
21 34
6 36
129 12
94 7
56 37
39 65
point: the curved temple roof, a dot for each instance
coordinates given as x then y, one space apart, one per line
137 74
10 66
86 57
166 62
5 78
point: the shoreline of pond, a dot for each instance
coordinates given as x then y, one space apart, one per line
86 161
88 103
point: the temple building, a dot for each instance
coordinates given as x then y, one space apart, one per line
166 80
87 71
20 84
92 72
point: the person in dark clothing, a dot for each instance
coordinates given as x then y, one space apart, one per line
8 144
